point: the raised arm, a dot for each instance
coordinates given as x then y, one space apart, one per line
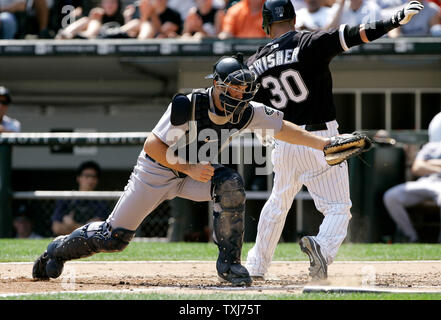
327 44
369 32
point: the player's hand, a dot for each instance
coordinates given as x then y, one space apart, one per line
201 172
405 15
96 13
128 12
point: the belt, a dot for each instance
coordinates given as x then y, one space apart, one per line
177 173
151 159
316 127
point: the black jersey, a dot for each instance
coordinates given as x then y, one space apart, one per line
293 71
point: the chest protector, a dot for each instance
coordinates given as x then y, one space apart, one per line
205 140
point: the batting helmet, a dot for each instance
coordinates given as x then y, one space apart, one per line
230 72
276 11
4 92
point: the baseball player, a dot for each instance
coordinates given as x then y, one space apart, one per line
167 168
294 76
427 167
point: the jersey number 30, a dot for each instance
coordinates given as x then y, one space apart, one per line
282 90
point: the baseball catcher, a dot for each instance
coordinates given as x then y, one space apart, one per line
180 159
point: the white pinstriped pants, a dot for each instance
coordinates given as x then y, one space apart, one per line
295 166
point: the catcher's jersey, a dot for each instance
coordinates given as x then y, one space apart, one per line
257 118
294 74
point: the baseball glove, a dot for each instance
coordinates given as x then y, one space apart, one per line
345 146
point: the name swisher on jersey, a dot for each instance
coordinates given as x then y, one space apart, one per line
275 59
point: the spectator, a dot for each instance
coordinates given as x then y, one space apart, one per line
131 20
435 129
153 19
181 6
8 19
37 18
438 2
8 25
203 20
427 166
108 14
243 20
7 124
72 214
24 17
229 4
68 11
299 4
353 12
385 4
426 23
313 17
24 224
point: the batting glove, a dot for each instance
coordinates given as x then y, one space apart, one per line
405 15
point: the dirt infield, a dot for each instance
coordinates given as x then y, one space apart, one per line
194 276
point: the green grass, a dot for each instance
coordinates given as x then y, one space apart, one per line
229 296
15 250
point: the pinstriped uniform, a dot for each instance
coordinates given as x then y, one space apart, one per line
294 74
295 166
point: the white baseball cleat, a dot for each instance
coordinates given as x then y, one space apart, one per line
318 269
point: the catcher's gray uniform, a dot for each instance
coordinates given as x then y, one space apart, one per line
151 183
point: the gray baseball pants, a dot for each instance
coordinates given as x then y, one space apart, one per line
397 198
149 185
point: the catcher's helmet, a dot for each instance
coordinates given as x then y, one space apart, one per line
4 93
275 11
230 71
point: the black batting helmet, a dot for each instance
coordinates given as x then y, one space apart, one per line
233 71
276 11
4 92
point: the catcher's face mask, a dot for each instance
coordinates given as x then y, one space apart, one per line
235 92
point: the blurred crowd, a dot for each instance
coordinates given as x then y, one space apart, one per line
146 19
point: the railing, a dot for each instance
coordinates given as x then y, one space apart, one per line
40 205
192 48
8 140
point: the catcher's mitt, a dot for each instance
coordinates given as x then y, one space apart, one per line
345 146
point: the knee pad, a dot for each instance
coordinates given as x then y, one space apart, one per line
228 231
90 239
228 217
228 191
